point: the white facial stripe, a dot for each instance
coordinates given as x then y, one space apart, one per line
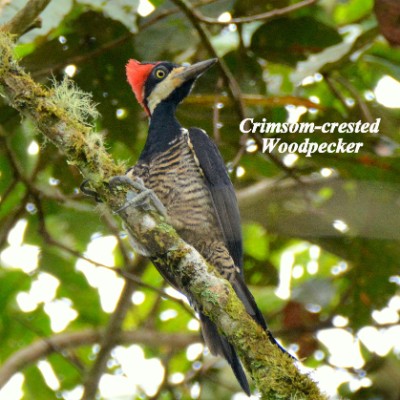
164 89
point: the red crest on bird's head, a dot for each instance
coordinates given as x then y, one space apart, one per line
137 74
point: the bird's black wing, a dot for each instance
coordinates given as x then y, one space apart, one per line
227 211
222 192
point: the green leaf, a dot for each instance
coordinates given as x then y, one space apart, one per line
174 31
352 11
14 197
24 49
286 41
69 374
157 3
11 282
20 329
35 383
123 11
335 56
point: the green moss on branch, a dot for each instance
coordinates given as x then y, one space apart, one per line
62 113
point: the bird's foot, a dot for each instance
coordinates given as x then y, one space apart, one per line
84 188
141 196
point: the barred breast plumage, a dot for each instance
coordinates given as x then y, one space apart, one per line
177 179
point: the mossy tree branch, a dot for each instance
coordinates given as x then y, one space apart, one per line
274 373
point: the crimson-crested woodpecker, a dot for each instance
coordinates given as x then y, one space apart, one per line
185 170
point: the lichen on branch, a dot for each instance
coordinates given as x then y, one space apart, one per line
74 101
62 113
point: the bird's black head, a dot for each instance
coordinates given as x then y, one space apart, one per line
154 83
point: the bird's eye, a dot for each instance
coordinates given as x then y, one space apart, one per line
160 74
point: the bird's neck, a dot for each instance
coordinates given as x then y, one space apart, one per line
163 129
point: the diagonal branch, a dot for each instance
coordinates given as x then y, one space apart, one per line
273 371
259 17
64 341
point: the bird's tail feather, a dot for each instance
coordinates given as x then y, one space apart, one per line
250 304
218 345
248 301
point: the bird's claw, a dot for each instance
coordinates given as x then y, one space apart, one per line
89 192
141 196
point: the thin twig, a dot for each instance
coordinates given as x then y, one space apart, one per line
254 100
18 171
29 181
275 160
81 58
228 77
261 190
10 188
258 17
335 91
161 292
360 101
149 320
152 19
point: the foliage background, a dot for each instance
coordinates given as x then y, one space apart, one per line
323 230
